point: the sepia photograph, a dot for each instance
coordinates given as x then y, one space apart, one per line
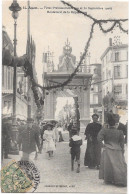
64 96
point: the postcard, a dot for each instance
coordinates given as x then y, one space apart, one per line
64 96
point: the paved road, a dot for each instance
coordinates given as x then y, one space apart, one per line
56 175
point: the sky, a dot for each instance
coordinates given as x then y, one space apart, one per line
53 29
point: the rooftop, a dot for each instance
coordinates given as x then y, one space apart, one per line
115 47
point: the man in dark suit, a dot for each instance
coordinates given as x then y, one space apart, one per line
29 138
120 126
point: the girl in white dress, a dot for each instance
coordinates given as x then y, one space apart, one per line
49 140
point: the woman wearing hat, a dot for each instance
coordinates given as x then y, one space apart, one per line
113 168
49 140
93 150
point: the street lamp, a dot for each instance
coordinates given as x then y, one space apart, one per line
15 8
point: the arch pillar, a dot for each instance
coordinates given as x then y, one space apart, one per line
49 106
84 110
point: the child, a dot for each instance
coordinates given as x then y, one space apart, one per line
75 143
49 139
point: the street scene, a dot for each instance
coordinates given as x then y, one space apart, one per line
64 96
56 175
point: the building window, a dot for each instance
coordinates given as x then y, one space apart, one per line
126 70
95 88
117 55
95 71
9 81
118 89
95 99
109 73
117 72
5 103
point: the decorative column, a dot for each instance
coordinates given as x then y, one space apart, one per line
49 105
85 110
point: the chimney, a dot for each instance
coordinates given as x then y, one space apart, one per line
110 41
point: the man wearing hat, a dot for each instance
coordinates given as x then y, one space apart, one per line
29 139
93 150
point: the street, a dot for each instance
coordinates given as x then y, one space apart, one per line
56 174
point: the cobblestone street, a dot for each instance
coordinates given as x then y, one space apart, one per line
56 175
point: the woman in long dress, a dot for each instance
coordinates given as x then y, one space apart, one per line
49 140
113 168
93 150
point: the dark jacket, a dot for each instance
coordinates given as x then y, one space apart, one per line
123 128
92 131
113 139
29 138
75 142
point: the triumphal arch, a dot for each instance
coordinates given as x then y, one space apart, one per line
79 86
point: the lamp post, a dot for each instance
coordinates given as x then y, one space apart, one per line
77 113
15 8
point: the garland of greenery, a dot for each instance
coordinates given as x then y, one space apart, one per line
95 21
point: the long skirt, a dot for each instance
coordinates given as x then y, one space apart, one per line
50 145
113 168
92 154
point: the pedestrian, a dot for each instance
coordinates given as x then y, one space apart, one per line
49 139
75 143
93 150
55 131
20 129
38 150
113 168
120 126
70 128
6 137
60 131
29 139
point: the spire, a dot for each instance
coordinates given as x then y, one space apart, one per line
67 43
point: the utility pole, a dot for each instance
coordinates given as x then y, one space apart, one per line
28 53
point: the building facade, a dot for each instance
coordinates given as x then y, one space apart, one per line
96 90
115 78
7 85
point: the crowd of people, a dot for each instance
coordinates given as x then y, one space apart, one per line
104 150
